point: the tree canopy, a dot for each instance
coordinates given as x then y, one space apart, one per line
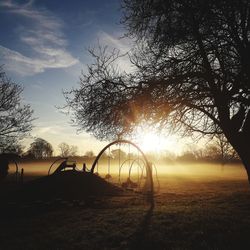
40 148
191 71
15 118
67 150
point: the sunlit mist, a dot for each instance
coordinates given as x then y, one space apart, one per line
151 141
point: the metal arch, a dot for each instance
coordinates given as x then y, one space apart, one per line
148 165
12 158
120 168
17 170
141 167
113 143
65 158
16 166
156 176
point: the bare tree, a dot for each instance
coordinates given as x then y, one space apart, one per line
89 154
73 150
220 149
40 148
15 118
191 73
67 150
64 149
15 148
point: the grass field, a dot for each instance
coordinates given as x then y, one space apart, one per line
197 207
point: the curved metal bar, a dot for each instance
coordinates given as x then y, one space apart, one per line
120 168
16 166
11 158
113 143
148 165
156 176
16 170
65 158
131 166
139 176
142 168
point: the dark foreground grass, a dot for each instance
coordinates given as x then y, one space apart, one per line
188 214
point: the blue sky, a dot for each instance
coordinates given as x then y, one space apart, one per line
43 47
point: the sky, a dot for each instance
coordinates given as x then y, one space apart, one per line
43 47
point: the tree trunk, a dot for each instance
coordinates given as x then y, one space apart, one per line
241 146
245 157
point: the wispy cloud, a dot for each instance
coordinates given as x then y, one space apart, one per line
124 45
43 33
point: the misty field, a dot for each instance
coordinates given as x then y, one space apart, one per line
199 206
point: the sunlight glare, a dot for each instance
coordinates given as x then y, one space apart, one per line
150 142
156 143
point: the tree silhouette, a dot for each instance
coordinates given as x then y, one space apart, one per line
40 148
221 150
73 150
66 150
89 154
191 73
15 118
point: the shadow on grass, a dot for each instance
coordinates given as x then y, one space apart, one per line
138 239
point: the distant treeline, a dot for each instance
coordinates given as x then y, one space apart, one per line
167 157
218 151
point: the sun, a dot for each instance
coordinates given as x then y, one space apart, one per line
153 142
150 142
156 143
